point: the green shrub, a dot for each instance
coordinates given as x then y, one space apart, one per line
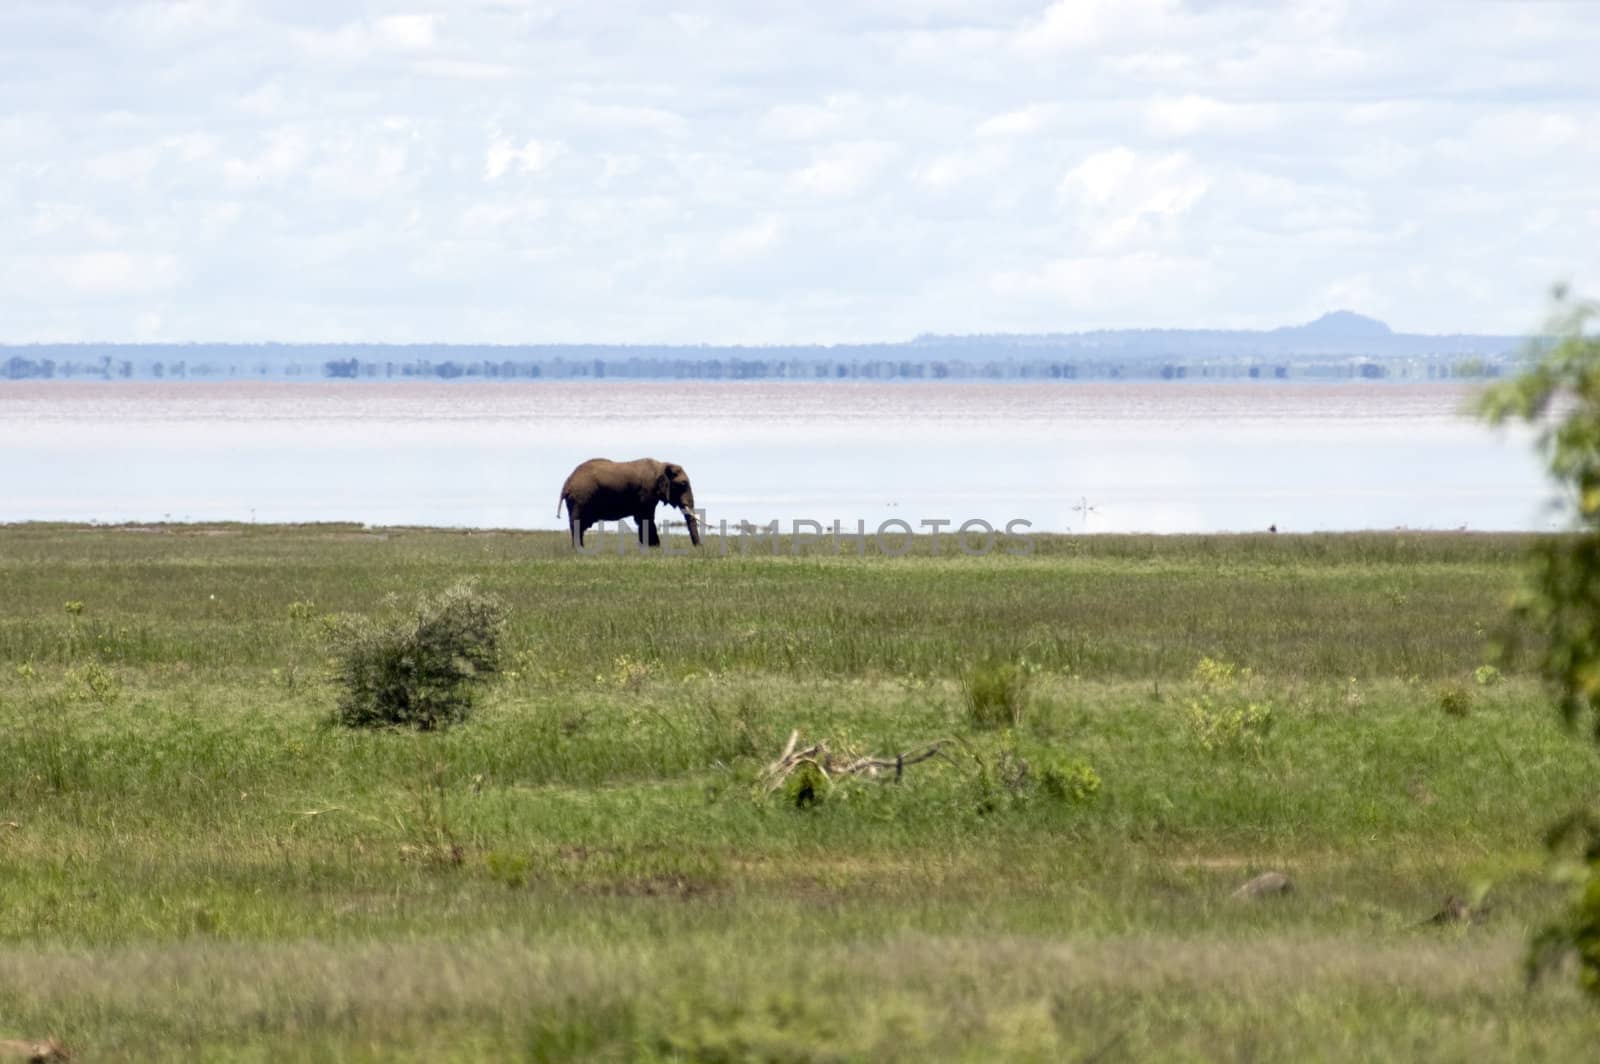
1016 775
1240 727
509 868
1486 675
995 694
1455 700
93 683
423 668
1070 781
1215 672
1222 716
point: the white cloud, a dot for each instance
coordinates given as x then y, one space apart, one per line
1354 291
364 162
175 21
1303 66
285 152
1380 160
264 101
1072 25
406 31
1141 282
467 70
500 215
371 163
949 50
1383 112
1308 211
628 117
190 147
751 239
955 169
72 222
503 157
360 40
1187 115
1018 123
1120 195
615 166
147 326
1524 129
216 218
1158 65
805 121
843 172
128 164
116 272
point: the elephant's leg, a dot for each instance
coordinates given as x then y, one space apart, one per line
576 529
655 536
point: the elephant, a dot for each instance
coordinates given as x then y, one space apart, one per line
603 490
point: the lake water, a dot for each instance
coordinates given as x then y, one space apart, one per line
1158 457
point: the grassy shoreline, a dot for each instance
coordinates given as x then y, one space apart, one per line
197 863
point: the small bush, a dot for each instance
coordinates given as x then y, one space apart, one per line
1221 716
1241 727
93 683
1486 675
509 868
1455 700
1214 672
1017 776
421 669
995 694
1070 781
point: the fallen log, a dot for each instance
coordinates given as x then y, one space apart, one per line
845 764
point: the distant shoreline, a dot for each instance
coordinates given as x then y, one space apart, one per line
1337 346
1325 369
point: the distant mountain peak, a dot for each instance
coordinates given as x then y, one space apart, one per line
1341 324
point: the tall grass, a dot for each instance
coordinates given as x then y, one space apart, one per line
1303 606
197 862
995 694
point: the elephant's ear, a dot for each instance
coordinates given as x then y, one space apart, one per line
672 470
664 486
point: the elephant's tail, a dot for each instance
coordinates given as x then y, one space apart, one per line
559 502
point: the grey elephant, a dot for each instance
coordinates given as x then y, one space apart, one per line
603 490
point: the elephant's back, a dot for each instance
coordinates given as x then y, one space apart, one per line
586 472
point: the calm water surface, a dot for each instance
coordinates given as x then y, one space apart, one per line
1172 457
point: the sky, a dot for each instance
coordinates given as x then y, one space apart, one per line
788 172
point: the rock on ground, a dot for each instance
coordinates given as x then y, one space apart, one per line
1266 885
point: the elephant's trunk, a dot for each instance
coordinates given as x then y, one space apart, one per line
686 504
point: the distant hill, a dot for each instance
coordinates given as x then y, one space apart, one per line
1338 344
1338 325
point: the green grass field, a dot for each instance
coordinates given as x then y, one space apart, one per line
199 865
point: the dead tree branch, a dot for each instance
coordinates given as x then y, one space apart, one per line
847 764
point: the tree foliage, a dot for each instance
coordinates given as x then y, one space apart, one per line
1559 391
